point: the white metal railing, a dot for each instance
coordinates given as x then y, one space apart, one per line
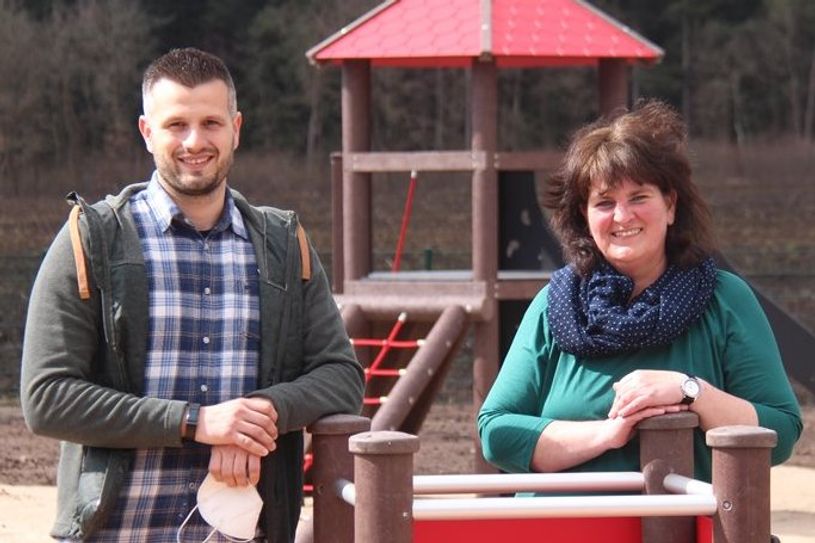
347 491
679 484
529 482
690 498
664 505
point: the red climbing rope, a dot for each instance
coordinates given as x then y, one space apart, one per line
385 345
380 356
400 244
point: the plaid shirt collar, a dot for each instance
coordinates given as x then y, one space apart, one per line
167 211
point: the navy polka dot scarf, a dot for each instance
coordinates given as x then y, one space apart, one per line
593 318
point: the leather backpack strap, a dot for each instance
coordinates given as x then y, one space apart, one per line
305 254
79 254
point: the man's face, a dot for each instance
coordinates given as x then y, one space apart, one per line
191 135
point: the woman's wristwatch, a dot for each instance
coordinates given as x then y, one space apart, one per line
691 389
191 421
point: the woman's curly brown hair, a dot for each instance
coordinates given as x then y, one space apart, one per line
645 145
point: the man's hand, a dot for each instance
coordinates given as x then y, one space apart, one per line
248 423
234 466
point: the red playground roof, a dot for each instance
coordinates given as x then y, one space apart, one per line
516 33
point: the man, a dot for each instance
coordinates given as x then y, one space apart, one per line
181 333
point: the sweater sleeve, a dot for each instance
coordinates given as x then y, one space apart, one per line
510 421
753 369
63 391
329 378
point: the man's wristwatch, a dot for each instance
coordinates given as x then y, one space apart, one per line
191 421
691 389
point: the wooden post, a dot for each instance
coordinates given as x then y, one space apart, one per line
741 483
666 446
356 137
337 253
383 479
333 518
483 112
612 84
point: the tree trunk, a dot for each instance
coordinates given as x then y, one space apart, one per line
737 125
439 121
809 113
687 66
737 128
517 124
789 60
314 133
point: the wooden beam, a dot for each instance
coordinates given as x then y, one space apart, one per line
520 289
421 300
524 161
337 249
444 161
423 161
356 137
612 84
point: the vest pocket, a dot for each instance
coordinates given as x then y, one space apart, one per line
100 481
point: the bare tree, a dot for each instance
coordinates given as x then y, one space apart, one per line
809 112
18 96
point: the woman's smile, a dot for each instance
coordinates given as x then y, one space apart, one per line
629 223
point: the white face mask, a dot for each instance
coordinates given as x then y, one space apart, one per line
231 510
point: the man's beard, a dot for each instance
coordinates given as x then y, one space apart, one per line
203 184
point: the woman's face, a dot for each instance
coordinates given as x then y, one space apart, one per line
629 223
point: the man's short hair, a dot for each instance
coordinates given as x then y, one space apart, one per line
189 67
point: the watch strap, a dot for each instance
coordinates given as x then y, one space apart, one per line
191 421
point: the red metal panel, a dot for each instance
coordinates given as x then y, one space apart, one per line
562 29
432 33
704 529
412 29
573 530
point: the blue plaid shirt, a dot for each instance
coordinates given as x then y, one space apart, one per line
203 347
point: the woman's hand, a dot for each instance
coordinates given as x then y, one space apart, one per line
617 431
564 444
642 389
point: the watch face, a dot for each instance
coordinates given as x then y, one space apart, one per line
691 388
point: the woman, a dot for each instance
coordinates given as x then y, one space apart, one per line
640 323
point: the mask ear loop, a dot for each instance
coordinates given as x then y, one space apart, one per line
184 524
189 516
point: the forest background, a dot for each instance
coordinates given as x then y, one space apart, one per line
742 72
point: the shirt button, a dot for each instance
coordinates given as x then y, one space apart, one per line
206 340
204 388
207 291
191 486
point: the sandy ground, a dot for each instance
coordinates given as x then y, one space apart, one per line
26 511
793 503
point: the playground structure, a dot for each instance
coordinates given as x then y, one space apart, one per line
364 492
481 36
